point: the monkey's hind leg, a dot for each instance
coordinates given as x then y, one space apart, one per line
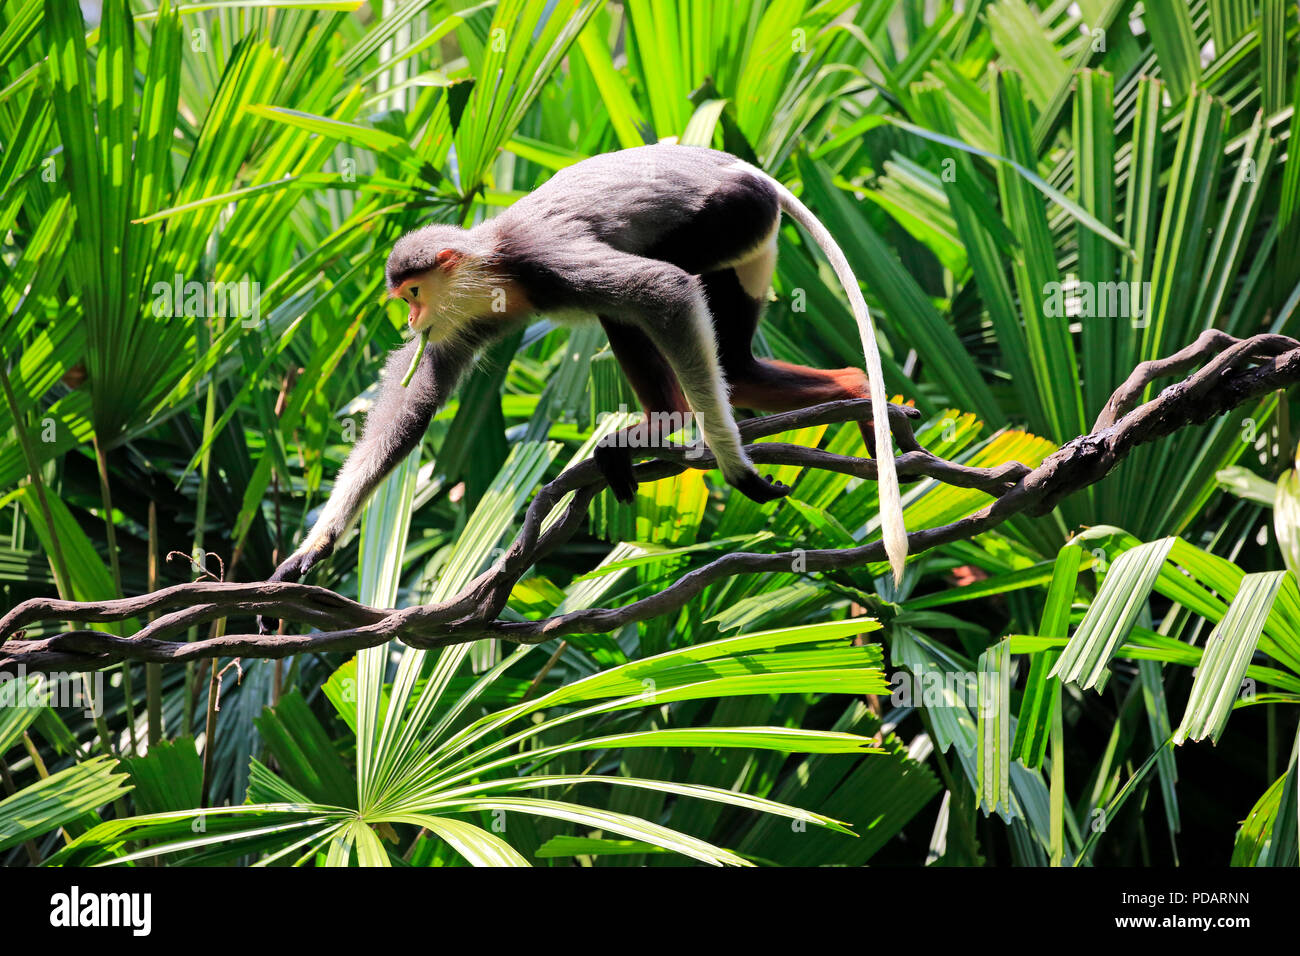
652 378
769 385
668 305
693 350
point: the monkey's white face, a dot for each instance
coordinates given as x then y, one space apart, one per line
432 303
459 290
419 293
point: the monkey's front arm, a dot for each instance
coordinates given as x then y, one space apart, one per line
394 428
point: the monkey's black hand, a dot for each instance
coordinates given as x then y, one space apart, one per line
759 489
615 464
291 569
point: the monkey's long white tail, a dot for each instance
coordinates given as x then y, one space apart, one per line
891 502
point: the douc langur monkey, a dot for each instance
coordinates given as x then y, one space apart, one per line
671 248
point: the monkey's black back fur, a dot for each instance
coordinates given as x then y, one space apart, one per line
691 207
723 228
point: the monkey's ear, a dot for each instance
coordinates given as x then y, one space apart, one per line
447 259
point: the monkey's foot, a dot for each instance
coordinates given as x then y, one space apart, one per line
291 569
759 489
868 429
616 465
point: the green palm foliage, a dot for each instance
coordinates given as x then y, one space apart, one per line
195 204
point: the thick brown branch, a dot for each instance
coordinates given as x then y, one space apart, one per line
1232 373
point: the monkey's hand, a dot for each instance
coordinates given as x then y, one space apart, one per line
759 489
615 464
292 569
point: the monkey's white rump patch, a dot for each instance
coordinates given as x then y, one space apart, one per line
755 270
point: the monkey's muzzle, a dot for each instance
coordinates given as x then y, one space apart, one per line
418 318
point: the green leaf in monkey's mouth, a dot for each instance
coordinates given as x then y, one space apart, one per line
415 360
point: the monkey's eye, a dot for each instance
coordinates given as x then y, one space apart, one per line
415 292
